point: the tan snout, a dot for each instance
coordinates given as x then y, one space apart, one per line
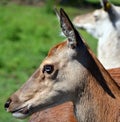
12 103
17 107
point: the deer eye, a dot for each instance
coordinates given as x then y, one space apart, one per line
48 69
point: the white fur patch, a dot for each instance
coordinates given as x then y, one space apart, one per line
19 115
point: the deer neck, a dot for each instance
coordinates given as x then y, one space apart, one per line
99 93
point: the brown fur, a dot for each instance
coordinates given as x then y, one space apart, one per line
55 48
61 113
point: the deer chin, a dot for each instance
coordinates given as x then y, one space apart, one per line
21 113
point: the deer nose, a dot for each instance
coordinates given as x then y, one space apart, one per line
7 104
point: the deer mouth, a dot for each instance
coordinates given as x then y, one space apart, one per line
21 113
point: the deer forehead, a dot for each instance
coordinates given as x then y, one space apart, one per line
59 54
100 13
57 48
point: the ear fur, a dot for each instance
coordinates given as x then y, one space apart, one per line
57 13
69 31
106 4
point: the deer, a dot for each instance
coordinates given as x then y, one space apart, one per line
104 25
70 72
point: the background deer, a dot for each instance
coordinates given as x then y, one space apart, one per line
105 26
70 72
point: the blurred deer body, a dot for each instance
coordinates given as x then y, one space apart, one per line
105 26
70 72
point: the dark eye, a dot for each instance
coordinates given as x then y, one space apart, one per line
48 69
96 17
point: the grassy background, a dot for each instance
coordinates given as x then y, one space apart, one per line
26 34
113 1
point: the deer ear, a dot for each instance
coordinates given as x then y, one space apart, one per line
69 31
106 4
110 9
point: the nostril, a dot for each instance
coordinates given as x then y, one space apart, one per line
7 104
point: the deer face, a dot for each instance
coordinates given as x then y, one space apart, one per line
55 81
94 23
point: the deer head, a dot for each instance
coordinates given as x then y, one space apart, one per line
57 78
100 21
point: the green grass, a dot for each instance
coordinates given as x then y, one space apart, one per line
26 34
112 1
